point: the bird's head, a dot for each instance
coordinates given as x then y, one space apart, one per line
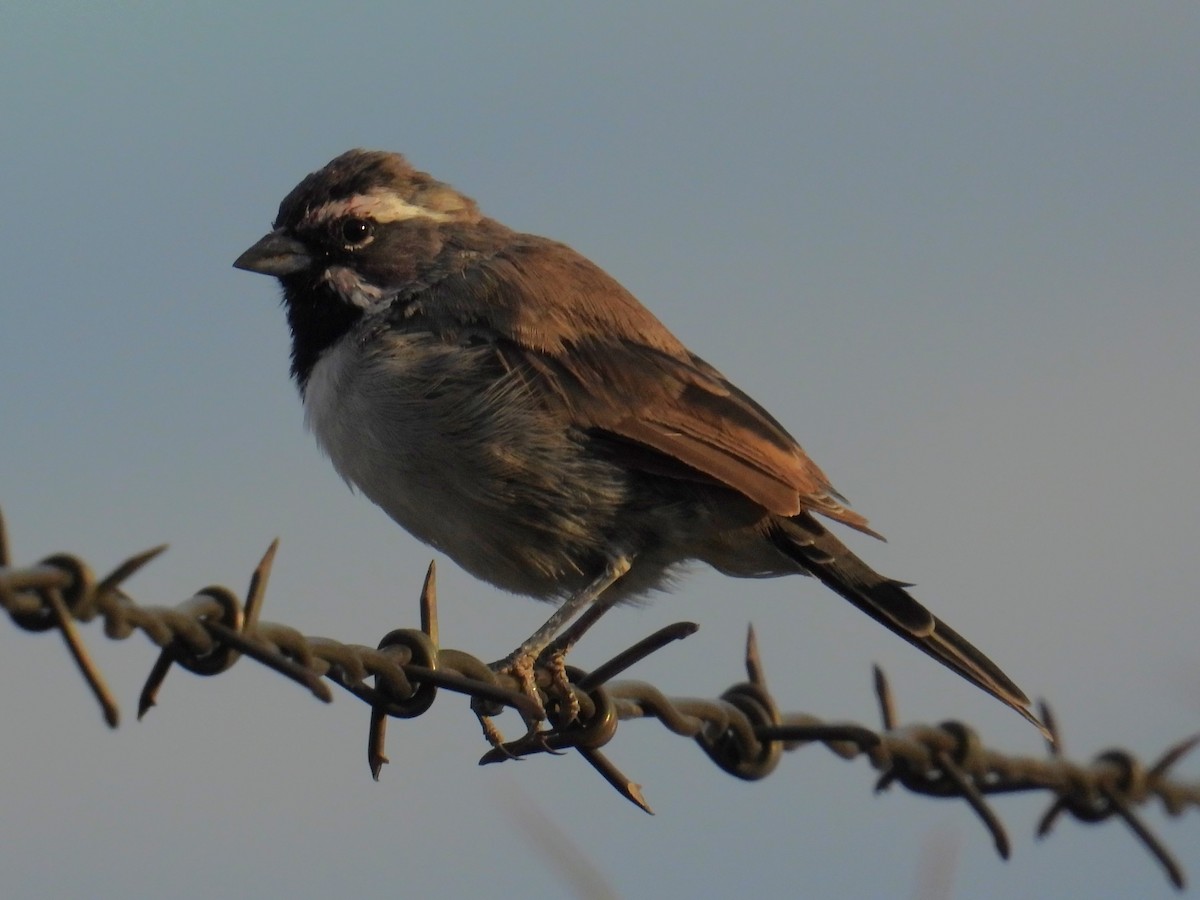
350 238
358 229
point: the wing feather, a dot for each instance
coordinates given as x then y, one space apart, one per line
617 370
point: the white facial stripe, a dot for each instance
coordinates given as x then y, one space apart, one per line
381 206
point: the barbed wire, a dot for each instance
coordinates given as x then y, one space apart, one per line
743 731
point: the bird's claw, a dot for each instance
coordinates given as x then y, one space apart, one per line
519 666
522 667
492 734
555 660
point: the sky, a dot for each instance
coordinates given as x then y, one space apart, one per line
953 248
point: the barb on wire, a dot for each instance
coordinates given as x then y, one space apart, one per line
743 731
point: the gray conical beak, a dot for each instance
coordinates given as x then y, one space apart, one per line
275 254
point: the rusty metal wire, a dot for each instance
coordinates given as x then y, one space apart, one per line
743 731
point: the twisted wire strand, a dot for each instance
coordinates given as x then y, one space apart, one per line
743 731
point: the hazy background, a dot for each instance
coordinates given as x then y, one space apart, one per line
954 249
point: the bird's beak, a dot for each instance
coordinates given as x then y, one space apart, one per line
274 254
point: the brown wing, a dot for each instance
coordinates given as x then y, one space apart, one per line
619 371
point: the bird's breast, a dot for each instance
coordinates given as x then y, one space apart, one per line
457 451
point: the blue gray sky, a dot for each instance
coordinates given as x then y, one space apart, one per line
953 248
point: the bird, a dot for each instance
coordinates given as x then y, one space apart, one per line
509 403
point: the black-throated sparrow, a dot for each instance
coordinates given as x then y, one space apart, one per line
510 404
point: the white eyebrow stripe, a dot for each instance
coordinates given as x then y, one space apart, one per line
381 206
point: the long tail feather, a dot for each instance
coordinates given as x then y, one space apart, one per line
803 539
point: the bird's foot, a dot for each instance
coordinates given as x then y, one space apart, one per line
555 659
519 665
522 666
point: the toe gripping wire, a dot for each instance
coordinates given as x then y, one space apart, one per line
743 731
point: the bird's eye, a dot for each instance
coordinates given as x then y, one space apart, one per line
356 232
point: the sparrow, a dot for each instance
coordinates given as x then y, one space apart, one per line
510 404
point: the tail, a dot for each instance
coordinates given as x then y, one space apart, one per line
804 540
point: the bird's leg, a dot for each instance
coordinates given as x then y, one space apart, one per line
555 653
520 663
562 643
590 600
